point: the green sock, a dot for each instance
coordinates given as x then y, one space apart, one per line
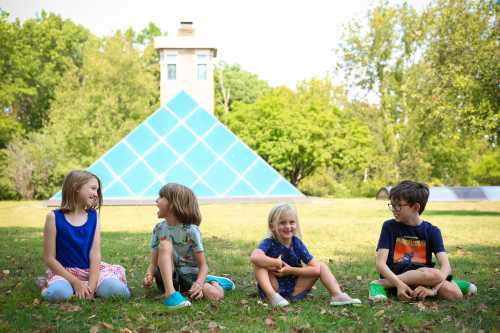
463 285
377 290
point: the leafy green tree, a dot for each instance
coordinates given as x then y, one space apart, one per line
35 56
233 84
299 132
94 107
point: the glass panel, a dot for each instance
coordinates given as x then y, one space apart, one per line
202 71
172 71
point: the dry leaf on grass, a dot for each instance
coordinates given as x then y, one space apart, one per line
302 329
95 329
68 307
213 327
270 322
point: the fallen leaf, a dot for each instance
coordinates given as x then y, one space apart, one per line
36 301
68 307
482 307
141 317
421 306
302 329
243 302
323 311
107 326
379 313
359 278
126 330
270 322
6 272
213 327
94 329
186 329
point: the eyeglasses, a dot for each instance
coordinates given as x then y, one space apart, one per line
396 207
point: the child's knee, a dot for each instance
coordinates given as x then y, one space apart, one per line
323 268
450 291
432 276
112 287
58 291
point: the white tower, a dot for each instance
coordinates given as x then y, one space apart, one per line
186 64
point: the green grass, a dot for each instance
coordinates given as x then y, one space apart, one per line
342 233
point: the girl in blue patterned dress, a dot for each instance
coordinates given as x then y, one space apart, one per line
284 268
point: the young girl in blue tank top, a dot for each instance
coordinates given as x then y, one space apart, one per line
72 245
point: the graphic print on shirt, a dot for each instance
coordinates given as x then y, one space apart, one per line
410 250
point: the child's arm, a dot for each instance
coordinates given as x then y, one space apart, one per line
312 269
259 259
404 292
49 257
196 289
444 264
95 258
148 277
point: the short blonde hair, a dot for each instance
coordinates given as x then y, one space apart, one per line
72 183
183 203
274 218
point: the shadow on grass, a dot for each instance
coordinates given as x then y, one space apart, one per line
239 312
461 213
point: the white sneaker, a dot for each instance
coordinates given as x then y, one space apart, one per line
344 299
278 300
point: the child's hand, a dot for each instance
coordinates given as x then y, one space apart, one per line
279 263
422 292
405 293
283 271
148 280
82 289
196 291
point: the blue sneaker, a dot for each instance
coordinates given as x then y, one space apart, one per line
224 282
176 301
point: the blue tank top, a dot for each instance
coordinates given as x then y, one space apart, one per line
73 244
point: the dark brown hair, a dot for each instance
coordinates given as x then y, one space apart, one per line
183 203
412 192
72 183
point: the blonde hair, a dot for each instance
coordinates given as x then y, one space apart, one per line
274 218
72 183
183 203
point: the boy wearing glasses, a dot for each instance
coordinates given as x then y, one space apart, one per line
405 248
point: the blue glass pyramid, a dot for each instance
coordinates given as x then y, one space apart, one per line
183 143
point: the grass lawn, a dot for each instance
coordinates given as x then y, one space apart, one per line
340 232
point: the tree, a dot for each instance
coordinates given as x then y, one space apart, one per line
232 84
434 75
299 132
94 107
34 57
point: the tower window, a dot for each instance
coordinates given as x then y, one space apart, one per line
202 71
171 72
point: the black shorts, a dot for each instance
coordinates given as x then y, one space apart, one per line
182 282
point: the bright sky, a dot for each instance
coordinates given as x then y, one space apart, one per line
283 42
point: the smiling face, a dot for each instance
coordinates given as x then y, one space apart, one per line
285 227
88 193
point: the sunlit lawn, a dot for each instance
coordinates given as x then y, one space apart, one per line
341 232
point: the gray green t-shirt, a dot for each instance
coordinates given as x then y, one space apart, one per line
186 240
